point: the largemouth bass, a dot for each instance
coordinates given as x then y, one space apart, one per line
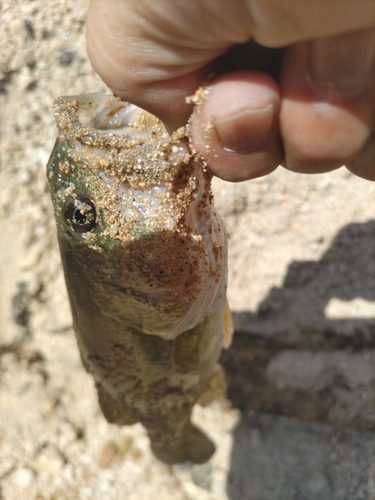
144 256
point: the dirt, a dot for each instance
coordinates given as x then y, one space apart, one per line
300 415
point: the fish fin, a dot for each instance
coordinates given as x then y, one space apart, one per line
228 328
193 446
112 410
215 386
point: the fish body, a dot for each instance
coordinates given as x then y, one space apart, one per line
144 257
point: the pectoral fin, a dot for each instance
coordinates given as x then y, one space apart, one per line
228 328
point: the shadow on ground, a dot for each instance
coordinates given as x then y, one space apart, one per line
297 358
275 458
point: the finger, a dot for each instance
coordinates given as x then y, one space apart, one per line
235 128
279 23
155 54
364 164
328 101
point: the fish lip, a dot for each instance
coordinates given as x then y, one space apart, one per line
107 133
85 118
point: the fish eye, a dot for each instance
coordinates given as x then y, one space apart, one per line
80 214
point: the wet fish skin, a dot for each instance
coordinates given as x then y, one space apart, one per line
132 291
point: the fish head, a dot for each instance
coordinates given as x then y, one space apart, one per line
135 222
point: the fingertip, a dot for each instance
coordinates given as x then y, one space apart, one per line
324 123
235 128
364 164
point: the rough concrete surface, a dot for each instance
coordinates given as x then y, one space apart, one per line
300 416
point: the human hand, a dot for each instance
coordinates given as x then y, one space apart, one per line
319 116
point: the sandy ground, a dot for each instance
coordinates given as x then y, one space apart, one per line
300 416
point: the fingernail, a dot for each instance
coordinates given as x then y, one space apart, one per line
246 130
343 63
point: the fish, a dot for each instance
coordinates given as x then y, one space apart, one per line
144 255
